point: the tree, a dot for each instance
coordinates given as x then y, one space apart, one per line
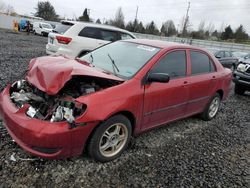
10 10
227 34
98 21
85 16
168 28
152 29
130 26
46 11
119 19
141 28
240 34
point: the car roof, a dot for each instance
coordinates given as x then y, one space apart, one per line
160 43
104 26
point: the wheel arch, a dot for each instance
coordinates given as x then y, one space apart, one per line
221 93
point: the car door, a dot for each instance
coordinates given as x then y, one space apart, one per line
228 60
164 102
201 81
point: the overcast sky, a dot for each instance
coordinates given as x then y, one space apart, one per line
219 12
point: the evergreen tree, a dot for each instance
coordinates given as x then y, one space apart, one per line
85 16
152 29
240 34
46 11
227 34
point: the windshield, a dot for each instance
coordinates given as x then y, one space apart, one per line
47 26
121 58
239 54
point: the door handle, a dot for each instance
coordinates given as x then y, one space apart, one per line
185 82
214 77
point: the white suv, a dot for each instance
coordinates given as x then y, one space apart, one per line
77 38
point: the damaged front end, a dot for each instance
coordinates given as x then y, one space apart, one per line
61 106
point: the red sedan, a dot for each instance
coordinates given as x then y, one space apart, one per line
97 102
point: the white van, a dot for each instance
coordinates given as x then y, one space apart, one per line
42 28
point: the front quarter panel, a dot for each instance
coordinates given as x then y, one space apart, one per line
101 105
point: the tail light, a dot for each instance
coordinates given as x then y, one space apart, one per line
63 40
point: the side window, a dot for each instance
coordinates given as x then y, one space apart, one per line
220 54
89 32
228 54
108 35
201 63
125 36
174 64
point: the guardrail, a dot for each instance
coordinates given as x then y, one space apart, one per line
201 43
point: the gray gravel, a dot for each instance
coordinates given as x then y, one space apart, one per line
187 153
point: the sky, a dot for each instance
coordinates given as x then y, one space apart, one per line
218 12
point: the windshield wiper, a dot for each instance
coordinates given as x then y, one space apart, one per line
92 58
113 65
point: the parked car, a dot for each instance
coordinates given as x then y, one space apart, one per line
227 59
42 28
239 55
242 76
97 102
77 38
244 58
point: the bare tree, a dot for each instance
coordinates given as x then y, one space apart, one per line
119 19
9 9
2 6
168 28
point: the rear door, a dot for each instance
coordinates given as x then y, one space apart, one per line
164 102
202 81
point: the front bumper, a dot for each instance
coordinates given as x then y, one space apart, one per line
42 138
242 79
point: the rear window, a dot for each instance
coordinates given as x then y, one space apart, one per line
61 28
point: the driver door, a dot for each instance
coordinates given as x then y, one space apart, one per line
164 102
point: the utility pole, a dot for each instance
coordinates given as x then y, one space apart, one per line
184 30
136 18
136 12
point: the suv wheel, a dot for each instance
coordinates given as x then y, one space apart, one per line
238 89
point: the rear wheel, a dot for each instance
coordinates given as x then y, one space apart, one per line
212 108
110 139
238 89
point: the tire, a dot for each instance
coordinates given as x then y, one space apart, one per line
238 89
110 139
211 108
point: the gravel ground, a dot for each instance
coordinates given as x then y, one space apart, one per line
187 153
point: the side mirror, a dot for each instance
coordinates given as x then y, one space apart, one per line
158 77
218 56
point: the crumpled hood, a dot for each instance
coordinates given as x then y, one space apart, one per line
50 73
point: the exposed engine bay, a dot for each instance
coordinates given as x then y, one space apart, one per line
59 107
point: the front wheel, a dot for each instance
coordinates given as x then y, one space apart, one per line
212 108
110 139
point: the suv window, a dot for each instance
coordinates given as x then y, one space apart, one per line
125 36
90 32
109 35
61 28
174 64
200 63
